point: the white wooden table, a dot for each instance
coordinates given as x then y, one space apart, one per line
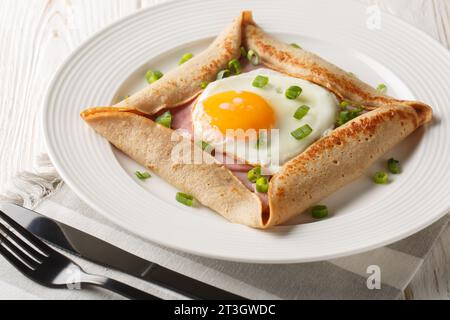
37 35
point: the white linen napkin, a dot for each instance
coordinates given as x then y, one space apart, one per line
345 278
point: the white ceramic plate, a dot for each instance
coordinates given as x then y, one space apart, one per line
112 64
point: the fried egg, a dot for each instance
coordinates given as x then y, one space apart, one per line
255 125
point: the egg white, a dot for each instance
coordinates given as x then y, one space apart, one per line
281 146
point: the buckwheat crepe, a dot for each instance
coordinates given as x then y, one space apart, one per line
327 165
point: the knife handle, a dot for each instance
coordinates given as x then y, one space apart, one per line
117 287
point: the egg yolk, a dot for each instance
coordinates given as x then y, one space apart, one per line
239 110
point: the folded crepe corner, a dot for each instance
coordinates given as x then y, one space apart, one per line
152 146
327 165
337 159
183 84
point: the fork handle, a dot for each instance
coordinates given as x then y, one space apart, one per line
118 287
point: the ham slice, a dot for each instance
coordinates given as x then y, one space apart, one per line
182 118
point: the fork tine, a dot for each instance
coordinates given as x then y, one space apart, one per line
22 244
26 260
26 234
19 265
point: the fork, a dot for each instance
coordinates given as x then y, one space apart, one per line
49 268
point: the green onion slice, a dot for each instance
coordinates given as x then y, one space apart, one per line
143 175
243 52
319 212
254 174
347 115
262 140
235 66
344 104
295 45
262 185
382 89
394 166
253 57
302 132
301 112
153 76
344 117
381 178
260 82
223 74
185 58
165 119
206 146
293 92
185 199
204 85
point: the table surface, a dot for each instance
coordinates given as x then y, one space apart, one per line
33 44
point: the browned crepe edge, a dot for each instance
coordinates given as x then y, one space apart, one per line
336 160
302 64
183 84
152 146
348 151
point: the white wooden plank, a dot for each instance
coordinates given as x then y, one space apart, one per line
430 16
35 37
433 280
442 18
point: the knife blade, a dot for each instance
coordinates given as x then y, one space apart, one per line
100 252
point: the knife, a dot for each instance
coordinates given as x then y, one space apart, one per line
98 251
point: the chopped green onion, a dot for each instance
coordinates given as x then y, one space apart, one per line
262 140
260 82
254 174
153 76
235 66
394 166
143 175
358 111
206 146
185 58
319 212
204 84
302 132
185 199
295 45
258 144
344 104
348 115
165 119
381 178
344 117
253 57
262 185
126 97
382 89
293 92
243 52
223 74
301 112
